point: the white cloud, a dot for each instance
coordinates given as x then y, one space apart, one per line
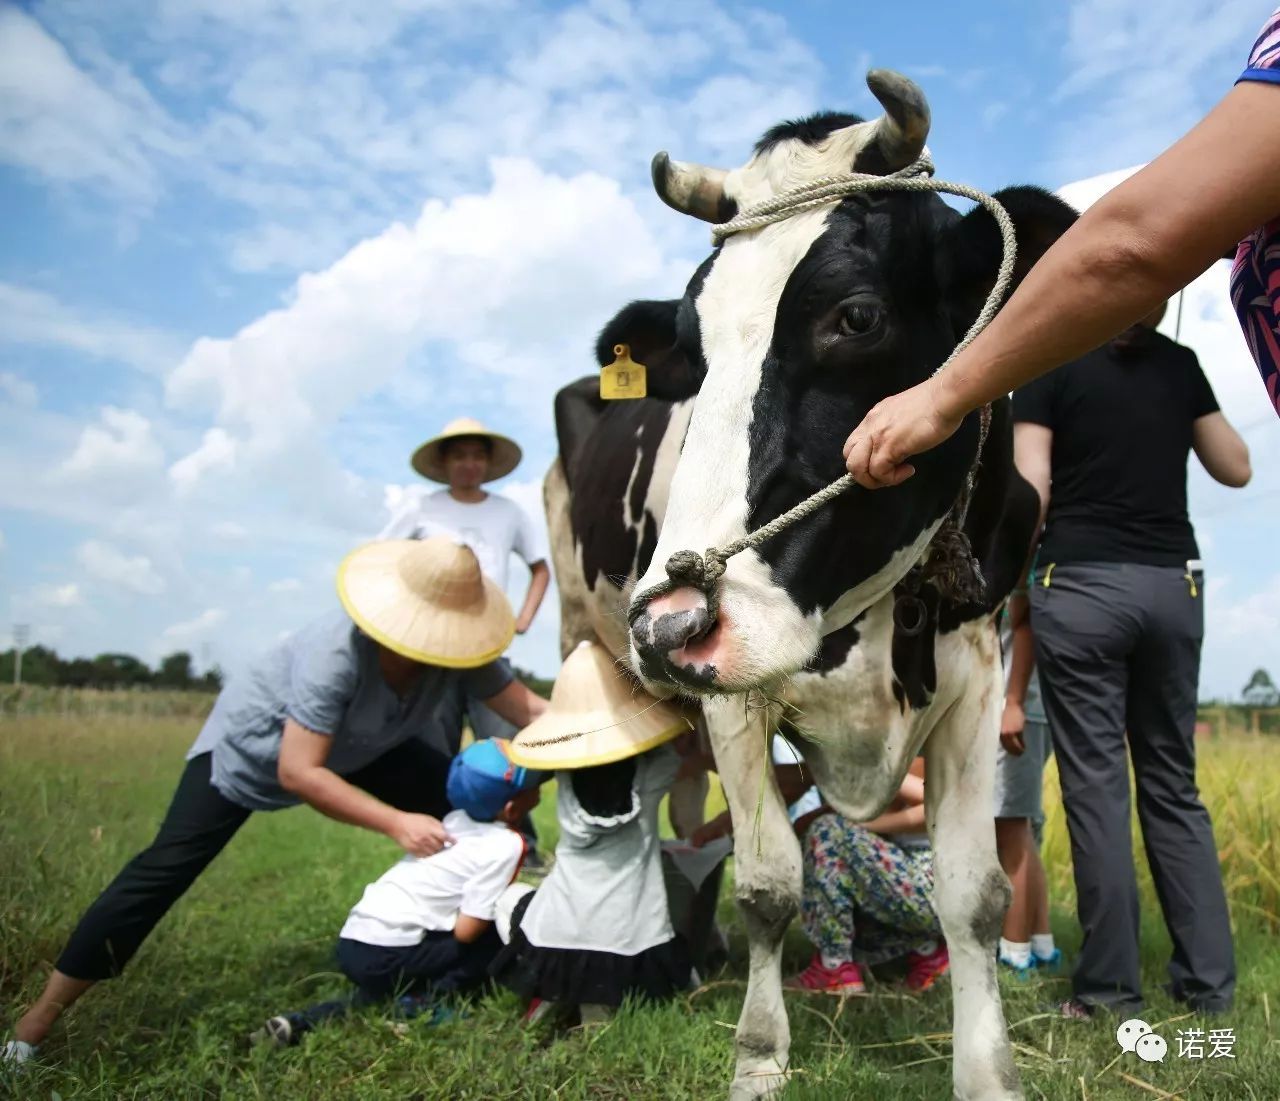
319 122
229 530
64 124
217 451
57 596
114 454
285 585
18 390
33 317
190 629
482 273
134 573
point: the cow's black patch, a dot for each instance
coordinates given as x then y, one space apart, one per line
607 524
809 130
648 544
577 409
834 650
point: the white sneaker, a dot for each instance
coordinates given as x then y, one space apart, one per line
276 1031
17 1052
504 909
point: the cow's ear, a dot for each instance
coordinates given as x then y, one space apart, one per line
971 250
648 328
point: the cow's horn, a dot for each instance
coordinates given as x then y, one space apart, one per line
692 189
902 129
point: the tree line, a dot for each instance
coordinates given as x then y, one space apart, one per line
41 665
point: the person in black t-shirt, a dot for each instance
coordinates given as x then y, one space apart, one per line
1118 616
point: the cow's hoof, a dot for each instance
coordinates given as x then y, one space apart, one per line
763 1080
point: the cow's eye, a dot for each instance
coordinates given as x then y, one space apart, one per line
859 318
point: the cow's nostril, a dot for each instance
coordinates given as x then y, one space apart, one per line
675 629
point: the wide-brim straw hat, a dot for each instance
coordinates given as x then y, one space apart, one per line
598 714
427 600
428 460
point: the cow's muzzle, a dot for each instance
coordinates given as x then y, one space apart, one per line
675 638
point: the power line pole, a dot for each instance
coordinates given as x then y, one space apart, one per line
21 635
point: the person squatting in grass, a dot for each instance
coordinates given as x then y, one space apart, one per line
1026 940
425 929
867 895
333 716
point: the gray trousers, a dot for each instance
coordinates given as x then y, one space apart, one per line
1118 649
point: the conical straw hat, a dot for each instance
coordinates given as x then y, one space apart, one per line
429 462
426 599
598 714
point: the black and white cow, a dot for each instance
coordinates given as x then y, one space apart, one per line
786 336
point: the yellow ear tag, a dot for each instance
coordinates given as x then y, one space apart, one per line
623 378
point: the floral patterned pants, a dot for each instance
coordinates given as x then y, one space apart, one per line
865 898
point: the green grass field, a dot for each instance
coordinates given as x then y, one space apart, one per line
254 937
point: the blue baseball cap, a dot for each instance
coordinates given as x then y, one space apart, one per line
482 779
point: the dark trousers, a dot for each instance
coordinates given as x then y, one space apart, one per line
197 826
1118 649
437 966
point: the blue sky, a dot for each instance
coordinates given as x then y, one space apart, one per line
254 252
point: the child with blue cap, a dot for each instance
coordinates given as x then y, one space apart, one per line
426 928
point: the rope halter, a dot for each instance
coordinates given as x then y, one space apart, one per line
948 563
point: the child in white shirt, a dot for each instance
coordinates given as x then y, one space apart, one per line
425 928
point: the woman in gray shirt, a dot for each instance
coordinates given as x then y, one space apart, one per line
333 716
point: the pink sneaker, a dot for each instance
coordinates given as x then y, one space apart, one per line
845 979
925 970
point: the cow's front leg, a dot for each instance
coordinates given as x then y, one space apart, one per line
971 893
767 879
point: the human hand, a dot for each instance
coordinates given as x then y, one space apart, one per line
420 834
720 826
901 426
523 624
1012 724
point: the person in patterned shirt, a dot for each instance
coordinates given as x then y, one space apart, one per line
1214 193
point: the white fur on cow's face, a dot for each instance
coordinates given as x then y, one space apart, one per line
737 306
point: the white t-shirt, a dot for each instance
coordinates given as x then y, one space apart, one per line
493 528
424 894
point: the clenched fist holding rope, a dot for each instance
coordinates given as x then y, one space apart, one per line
876 453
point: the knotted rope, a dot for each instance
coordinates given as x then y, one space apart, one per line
949 562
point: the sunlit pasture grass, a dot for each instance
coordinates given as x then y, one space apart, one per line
79 795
